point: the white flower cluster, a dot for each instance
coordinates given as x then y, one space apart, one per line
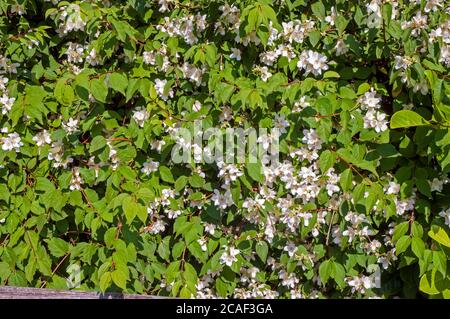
312 62
12 142
6 102
229 256
149 167
370 102
193 73
76 180
189 27
56 154
160 89
71 19
141 115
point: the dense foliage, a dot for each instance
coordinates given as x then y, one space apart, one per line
92 94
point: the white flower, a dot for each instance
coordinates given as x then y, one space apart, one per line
172 214
312 62
341 47
288 279
141 115
445 55
159 87
370 100
376 120
75 53
197 106
290 248
149 57
432 5
393 188
332 17
71 17
280 123
350 233
92 58
235 54
6 103
312 139
228 257
300 104
42 138
3 82
12 142
360 284
222 200
210 228
76 181
192 73
401 62
446 215
265 141
157 145
71 126
149 167
286 51
306 217
202 243
269 57
164 5
229 172
265 74
437 185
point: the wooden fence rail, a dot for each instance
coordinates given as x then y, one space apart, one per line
7 292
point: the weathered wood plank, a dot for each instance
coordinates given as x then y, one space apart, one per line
8 292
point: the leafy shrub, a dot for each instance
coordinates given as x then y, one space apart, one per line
93 93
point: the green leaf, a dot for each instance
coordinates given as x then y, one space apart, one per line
325 270
44 184
407 118
163 249
440 261
324 106
166 174
346 180
181 183
423 186
339 274
196 181
64 93
318 9
58 247
97 143
400 230
255 171
439 235
327 160
427 283
221 287
105 281
118 82
341 23
98 89
314 37
119 278
402 244
417 246
129 208
331 74
262 250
